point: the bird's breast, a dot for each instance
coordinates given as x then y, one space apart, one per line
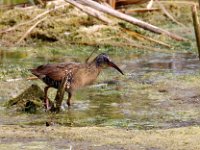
84 78
87 78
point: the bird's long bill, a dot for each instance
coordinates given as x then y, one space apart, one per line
115 66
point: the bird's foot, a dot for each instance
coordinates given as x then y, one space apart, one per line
47 104
48 107
55 109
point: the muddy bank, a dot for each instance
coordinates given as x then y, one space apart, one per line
59 137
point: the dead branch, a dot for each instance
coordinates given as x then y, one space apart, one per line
29 31
129 19
178 2
105 19
142 37
168 14
196 26
60 94
19 79
138 10
32 78
94 50
199 4
129 2
90 11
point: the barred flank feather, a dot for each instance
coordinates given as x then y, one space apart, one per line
51 82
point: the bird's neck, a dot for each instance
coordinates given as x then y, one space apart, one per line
89 73
94 67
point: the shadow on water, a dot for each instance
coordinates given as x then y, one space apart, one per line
137 100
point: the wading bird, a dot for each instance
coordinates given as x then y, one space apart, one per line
78 75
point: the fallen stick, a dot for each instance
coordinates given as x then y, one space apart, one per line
138 10
129 19
32 78
142 37
196 27
168 14
179 2
199 4
29 31
91 12
19 79
59 95
130 2
106 20
94 50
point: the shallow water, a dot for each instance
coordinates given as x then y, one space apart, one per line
136 100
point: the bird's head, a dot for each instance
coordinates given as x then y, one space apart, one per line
103 61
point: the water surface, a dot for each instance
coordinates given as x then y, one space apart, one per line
152 94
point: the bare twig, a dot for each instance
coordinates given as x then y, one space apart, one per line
168 14
179 2
60 94
32 78
106 20
91 12
199 4
29 31
142 37
196 26
19 79
138 10
130 19
95 49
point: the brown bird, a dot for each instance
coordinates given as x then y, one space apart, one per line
78 75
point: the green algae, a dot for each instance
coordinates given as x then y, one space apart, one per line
28 101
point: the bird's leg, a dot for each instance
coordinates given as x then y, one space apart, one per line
69 98
46 100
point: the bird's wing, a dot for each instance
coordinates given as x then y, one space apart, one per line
62 70
55 71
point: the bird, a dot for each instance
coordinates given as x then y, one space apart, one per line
78 75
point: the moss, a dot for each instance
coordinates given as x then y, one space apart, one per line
29 100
